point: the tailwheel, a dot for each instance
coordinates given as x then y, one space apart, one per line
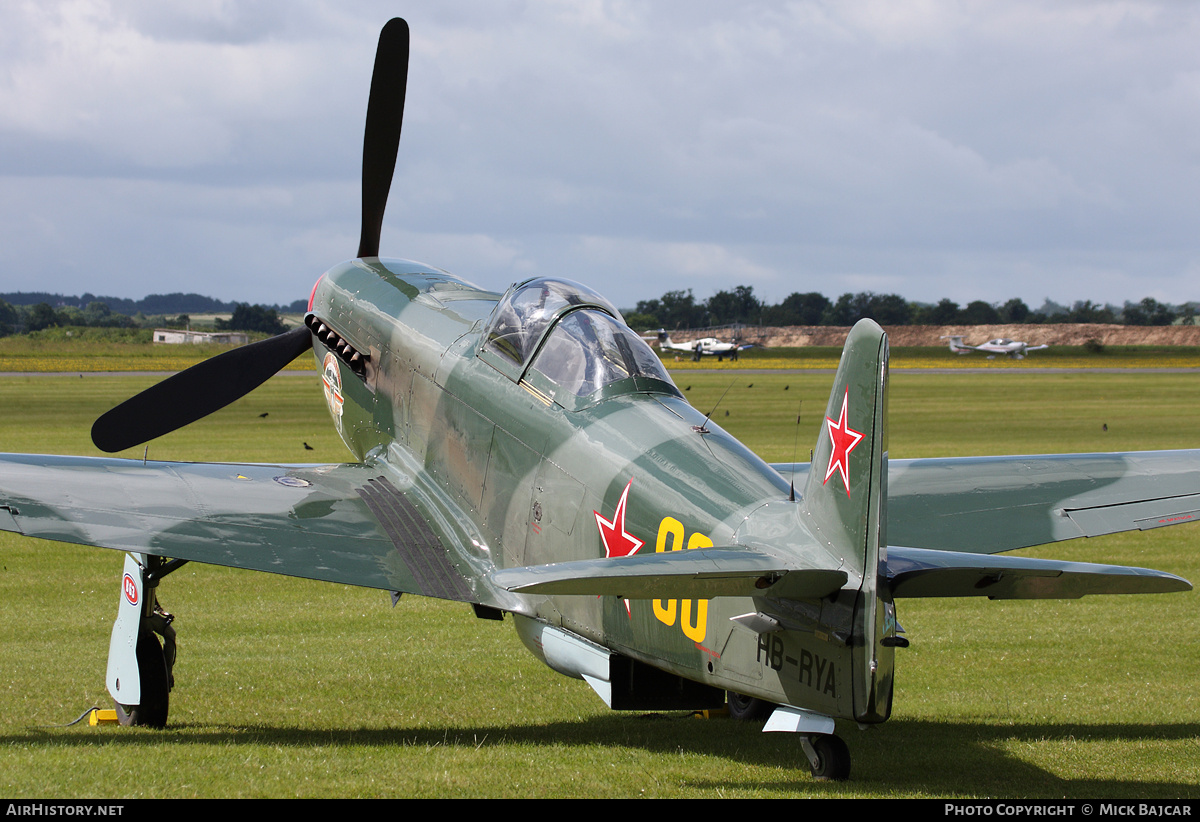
155 675
828 756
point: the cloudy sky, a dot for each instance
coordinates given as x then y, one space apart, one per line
970 150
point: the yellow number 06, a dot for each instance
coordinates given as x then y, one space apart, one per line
693 614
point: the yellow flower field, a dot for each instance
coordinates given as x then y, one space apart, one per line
22 355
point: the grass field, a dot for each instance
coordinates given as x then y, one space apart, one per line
292 688
92 350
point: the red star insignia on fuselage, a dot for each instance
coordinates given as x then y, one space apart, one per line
844 439
617 541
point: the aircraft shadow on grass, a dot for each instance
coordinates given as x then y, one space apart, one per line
940 758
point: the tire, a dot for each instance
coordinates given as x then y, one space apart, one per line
833 756
155 682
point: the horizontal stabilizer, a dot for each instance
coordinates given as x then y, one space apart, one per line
697 574
919 572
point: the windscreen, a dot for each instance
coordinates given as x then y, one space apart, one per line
588 349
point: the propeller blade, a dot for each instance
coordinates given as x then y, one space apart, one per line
197 392
381 142
215 383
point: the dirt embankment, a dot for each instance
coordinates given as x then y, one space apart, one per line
795 336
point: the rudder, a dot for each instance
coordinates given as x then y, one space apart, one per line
845 504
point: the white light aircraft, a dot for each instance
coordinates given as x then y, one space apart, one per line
705 346
1010 348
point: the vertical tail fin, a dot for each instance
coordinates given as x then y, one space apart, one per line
845 502
956 344
843 493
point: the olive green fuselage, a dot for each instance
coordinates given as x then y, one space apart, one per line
530 475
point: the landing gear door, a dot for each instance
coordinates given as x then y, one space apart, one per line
123 679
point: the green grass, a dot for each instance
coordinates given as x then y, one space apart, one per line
294 688
107 349
936 415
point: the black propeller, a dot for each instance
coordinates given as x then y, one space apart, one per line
215 383
381 142
197 392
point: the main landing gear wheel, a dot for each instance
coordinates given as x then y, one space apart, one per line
155 678
748 708
828 757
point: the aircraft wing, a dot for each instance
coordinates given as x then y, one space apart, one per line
352 523
988 505
360 525
994 504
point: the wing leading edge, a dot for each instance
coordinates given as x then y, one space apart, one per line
354 524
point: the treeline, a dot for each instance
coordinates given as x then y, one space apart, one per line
20 319
680 309
152 304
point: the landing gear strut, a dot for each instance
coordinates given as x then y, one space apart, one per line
139 666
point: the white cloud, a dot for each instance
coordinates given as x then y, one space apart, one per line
969 150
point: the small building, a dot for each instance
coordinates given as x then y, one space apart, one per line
175 335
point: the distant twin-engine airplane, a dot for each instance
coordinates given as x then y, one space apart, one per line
705 346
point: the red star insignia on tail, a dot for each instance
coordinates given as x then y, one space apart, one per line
617 541
843 438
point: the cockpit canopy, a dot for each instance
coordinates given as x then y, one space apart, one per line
527 309
569 343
